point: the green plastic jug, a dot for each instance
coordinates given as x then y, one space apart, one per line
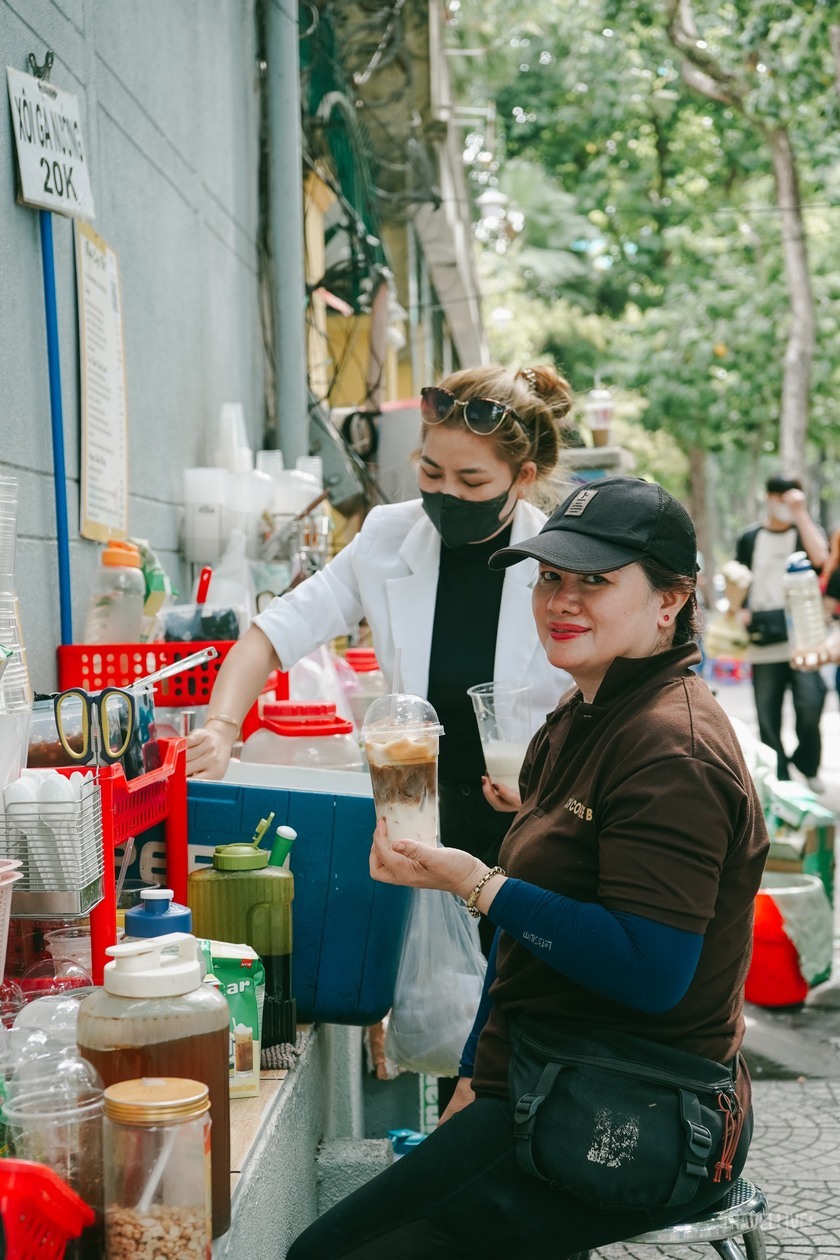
245 898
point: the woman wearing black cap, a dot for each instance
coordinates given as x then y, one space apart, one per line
623 909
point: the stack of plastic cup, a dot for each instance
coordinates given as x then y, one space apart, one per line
15 688
8 532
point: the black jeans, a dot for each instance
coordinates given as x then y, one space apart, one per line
461 1194
770 682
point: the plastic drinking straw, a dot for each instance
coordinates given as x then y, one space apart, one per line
157 1172
395 681
124 865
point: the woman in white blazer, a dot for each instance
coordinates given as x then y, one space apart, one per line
417 573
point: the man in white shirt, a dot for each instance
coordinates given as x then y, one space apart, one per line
765 549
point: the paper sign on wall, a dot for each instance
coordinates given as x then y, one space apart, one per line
52 159
104 479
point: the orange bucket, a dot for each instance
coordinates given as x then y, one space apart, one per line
774 977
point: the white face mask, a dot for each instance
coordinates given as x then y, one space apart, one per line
780 512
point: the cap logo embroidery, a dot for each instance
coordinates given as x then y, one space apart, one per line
580 503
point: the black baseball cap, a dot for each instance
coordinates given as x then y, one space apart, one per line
607 524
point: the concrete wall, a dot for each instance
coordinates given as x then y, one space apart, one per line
169 110
309 1151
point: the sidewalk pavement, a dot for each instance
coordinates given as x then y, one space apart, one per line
794 1057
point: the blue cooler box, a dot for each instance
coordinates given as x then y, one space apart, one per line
347 930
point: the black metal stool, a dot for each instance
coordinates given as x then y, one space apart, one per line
739 1215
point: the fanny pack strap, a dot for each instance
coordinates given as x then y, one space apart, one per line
525 1119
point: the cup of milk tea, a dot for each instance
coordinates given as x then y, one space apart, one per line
401 734
504 725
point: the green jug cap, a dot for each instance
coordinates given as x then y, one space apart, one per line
239 857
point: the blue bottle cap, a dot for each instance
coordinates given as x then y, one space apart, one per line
157 914
798 562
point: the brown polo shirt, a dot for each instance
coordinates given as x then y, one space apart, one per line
640 802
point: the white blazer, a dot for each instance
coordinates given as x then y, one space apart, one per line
388 575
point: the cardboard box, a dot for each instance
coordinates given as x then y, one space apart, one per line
804 851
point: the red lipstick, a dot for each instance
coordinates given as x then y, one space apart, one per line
566 630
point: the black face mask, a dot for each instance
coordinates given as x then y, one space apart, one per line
461 521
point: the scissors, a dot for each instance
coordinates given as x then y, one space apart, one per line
94 727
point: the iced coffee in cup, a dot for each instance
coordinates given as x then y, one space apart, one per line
243 1044
501 710
401 736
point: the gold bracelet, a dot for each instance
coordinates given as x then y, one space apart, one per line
223 717
476 892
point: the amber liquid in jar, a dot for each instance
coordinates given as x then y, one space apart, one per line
200 1058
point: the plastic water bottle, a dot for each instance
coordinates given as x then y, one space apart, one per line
803 605
115 611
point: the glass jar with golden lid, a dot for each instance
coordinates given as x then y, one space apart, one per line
157 1168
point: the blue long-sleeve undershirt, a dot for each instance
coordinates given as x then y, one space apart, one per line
642 964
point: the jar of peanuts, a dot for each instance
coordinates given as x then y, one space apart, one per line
157 1170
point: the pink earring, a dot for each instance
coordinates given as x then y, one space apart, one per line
666 617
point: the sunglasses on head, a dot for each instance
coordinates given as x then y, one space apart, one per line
481 415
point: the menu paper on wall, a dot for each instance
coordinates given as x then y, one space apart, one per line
104 470
52 159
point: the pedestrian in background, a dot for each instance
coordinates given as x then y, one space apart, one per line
830 586
765 549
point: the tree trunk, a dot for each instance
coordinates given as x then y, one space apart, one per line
834 41
698 508
704 74
799 353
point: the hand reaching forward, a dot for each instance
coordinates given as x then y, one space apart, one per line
828 654
461 1098
503 799
414 865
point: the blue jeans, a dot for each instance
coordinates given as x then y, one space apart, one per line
770 682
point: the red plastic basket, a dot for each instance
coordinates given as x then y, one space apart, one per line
94 666
40 1212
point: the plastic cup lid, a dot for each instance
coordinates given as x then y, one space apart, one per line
403 713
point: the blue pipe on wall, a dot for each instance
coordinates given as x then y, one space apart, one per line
57 420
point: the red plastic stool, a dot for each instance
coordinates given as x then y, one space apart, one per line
774 977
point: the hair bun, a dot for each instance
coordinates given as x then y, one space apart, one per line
554 390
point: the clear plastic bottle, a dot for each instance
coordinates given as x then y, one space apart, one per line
115 611
803 605
156 1146
303 734
371 680
154 1017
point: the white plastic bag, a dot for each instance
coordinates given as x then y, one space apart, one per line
438 987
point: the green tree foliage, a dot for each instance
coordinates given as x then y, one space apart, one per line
675 288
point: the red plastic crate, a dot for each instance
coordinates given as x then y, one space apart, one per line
94 666
130 806
40 1212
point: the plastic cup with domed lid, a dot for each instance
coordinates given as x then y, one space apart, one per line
401 735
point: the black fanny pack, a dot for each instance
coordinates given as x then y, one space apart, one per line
620 1121
769 626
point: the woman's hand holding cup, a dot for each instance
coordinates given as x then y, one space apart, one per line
416 865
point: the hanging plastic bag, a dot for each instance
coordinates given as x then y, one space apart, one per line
438 987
